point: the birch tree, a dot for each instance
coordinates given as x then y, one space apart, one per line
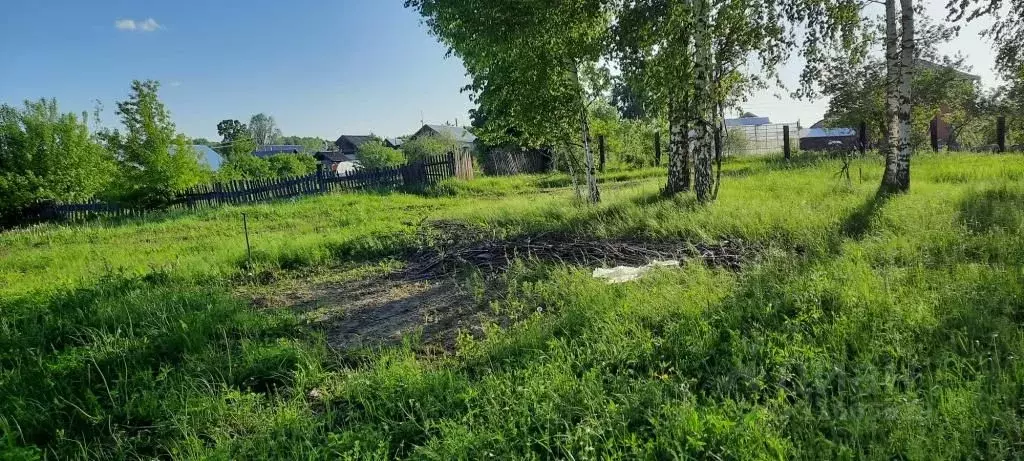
528 61
694 57
899 65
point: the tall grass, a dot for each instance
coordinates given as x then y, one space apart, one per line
869 328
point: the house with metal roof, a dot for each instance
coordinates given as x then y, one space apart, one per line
272 150
462 136
337 161
348 144
817 137
747 119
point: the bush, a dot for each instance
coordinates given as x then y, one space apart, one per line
242 167
735 142
288 165
375 154
424 147
46 155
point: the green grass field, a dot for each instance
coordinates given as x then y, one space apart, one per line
866 327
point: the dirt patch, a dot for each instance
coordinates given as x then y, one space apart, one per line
380 310
370 308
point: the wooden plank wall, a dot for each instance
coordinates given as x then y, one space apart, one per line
504 162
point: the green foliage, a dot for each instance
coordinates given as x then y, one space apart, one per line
230 130
245 166
629 143
529 89
263 130
864 328
735 142
423 147
288 165
374 154
46 155
248 166
858 95
242 146
155 163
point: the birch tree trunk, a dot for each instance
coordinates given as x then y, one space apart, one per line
593 194
892 125
899 66
679 148
703 142
907 53
679 114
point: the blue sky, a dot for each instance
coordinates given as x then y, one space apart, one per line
320 67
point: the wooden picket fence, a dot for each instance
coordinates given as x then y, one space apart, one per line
413 176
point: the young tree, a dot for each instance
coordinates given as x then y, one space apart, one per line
528 61
46 155
155 162
857 94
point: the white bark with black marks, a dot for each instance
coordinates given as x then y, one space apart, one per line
679 149
899 66
703 138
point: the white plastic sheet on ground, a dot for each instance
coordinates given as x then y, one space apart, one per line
621 274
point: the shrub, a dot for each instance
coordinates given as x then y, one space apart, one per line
428 146
240 167
48 155
287 165
735 142
375 154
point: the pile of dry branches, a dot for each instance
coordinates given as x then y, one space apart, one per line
457 246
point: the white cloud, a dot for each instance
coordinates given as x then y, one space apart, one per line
125 24
147 25
175 84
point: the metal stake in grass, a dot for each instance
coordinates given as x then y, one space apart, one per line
245 226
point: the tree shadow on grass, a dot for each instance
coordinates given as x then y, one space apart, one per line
858 223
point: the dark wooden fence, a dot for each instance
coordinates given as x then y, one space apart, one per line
505 162
412 176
